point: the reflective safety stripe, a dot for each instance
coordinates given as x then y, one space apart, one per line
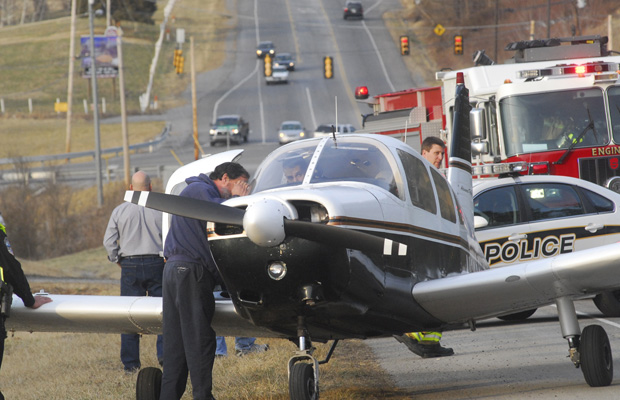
2 270
428 337
3 228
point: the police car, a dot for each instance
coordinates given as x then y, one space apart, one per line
524 218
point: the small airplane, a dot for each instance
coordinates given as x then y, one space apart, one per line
351 236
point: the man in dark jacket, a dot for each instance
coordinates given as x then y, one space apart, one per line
190 276
12 279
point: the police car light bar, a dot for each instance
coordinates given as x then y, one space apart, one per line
501 168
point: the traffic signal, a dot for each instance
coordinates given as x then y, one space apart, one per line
404 45
458 45
179 60
267 60
329 67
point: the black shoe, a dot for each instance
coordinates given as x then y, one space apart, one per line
436 350
131 370
255 348
411 344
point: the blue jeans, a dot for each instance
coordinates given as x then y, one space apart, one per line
241 343
140 277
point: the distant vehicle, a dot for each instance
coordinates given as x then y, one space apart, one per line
533 217
353 9
326 129
285 60
278 75
233 127
291 131
265 47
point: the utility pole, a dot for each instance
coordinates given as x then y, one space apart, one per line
70 83
93 80
194 105
121 84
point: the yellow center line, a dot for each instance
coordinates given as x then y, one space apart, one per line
290 18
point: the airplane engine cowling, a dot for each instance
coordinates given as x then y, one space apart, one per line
263 221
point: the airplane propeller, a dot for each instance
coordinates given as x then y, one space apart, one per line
266 222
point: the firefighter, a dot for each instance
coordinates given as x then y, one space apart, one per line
12 278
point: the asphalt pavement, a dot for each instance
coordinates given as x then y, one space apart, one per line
502 360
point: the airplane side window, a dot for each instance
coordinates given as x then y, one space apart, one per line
446 205
498 206
547 201
418 182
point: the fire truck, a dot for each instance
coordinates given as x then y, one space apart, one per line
553 108
409 115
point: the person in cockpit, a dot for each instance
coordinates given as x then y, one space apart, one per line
294 170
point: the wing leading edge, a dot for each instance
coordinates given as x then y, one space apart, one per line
505 290
117 314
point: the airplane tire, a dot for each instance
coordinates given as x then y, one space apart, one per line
148 384
520 316
608 303
301 382
595 356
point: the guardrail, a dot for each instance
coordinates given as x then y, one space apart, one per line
113 150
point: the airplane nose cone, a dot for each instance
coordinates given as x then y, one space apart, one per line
263 221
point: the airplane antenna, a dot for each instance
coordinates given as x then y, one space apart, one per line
334 135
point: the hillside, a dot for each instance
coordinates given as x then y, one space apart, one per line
490 25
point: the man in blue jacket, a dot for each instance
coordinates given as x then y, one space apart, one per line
190 276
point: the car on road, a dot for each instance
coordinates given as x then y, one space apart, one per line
229 127
353 9
266 47
291 131
326 129
278 75
284 59
518 219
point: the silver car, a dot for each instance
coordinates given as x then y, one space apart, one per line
291 131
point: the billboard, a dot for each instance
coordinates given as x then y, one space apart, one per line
105 54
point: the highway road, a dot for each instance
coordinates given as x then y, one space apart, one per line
364 53
501 360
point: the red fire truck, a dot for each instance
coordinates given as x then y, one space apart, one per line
554 108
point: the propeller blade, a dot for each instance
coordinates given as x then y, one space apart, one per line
334 236
187 207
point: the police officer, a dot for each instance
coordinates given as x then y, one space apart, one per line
133 240
12 279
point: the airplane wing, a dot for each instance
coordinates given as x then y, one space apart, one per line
521 287
117 314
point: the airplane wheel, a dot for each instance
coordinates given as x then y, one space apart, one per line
301 382
520 316
608 303
148 384
595 354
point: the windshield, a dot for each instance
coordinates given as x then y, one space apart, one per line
315 161
613 94
553 121
291 127
226 121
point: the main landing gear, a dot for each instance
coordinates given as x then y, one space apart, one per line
148 384
303 368
588 349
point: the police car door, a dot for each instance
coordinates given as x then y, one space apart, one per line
566 218
504 231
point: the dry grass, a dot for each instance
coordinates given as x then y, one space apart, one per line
65 366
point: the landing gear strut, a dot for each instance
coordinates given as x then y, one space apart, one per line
303 368
589 349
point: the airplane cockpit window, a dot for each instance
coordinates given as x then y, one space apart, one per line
350 159
418 182
358 160
446 204
286 166
498 206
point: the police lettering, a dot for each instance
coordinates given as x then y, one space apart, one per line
549 246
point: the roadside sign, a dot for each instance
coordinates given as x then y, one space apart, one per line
439 30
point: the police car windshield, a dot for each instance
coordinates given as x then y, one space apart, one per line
323 160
